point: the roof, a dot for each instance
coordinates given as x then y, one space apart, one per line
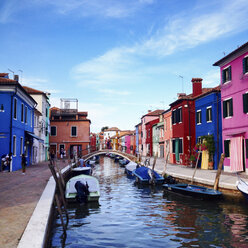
190 97
156 112
237 52
34 91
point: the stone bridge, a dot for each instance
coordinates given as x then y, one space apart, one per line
104 151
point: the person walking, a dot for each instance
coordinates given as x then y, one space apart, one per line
24 163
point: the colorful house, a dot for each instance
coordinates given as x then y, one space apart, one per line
155 140
138 138
17 121
168 135
160 127
70 129
149 136
43 105
151 115
234 99
133 143
183 123
208 123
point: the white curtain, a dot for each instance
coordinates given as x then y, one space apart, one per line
236 154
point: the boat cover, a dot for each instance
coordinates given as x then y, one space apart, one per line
131 166
93 187
144 173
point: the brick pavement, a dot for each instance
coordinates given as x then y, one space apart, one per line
19 195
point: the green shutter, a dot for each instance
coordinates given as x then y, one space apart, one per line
244 66
223 76
224 109
180 146
245 103
226 148
231 107
229 73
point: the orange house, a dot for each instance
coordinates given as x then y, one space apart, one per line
70 132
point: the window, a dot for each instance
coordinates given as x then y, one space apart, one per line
177 115
31 118
73 131
227 108
21 146
199 139
15 108
53 131
245 102
209 114
227 148
2 108
180 145
22 113
226 75
198 117
141 134
14 145
26 114
245 65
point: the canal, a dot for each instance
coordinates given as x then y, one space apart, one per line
129 215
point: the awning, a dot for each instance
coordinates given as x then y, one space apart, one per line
34 136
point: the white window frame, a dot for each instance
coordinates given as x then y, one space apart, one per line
210 107
229 116
198 111
71 131
14 145
226 82
21 146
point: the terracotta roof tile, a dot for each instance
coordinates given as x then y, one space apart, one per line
32 91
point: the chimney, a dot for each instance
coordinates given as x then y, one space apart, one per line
181 95
149 111
16 78
197 86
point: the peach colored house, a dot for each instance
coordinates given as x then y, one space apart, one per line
70 131
168 135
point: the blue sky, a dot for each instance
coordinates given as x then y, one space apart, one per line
119 58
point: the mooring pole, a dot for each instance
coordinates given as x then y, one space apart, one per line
199 153
217 178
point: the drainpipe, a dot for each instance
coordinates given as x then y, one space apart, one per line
189 129
217 123
11 125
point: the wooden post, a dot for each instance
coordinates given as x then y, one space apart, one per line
154 161
199 153
217 178
60 214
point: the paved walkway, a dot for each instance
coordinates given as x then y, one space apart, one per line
19 195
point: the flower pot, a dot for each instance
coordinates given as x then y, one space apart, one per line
210 165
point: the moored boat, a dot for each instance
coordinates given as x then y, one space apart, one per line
93 188
129 168
146 175
193 190
242 186
81 170
123 162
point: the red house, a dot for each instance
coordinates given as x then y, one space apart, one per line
149 136
183 123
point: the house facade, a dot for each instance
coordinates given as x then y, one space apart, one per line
155 140
234 99
168 135
151 115
70 131
43 106
138 138
17 121
160 127
208 123
149 136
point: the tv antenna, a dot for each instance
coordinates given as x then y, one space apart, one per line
182 83
21 74
12 72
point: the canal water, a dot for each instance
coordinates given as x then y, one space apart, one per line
129 215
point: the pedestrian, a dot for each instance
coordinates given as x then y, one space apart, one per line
24 163
81 162
52 157
3 162
61 153
9 161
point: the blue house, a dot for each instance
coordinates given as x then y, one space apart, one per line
16 121
208 120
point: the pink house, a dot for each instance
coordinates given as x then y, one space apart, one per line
234 101
168 135
128 143
151 115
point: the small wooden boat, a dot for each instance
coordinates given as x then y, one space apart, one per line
193 190
242 186
146 175
81 170
117 158
129 168
94 189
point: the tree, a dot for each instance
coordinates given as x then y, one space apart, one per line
104 128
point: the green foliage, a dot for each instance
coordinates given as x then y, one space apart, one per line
210 145
104 128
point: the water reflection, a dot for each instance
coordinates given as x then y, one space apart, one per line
131 215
